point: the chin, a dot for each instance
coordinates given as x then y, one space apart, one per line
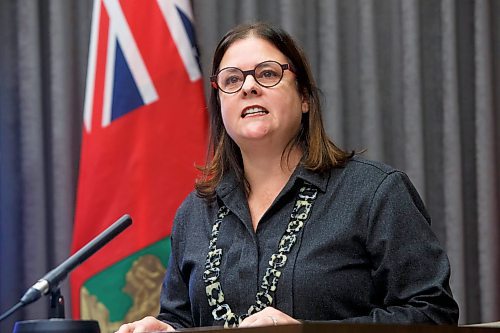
256 135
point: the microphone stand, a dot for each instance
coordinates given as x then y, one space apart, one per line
56 308
49 284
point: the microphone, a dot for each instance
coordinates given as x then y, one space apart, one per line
50 281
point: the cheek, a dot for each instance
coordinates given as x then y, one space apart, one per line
227 119
225 105
223 109
229 110
223 114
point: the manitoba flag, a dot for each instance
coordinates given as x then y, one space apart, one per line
144 131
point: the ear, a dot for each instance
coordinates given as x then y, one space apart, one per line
305 104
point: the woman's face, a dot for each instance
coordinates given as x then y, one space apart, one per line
257 116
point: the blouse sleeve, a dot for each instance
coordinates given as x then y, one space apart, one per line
410 269
175 307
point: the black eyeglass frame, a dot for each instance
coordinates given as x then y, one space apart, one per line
213 78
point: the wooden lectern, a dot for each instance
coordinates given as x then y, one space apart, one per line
319 327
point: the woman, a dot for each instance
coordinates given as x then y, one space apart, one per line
286 227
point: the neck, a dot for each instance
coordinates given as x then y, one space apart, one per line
269 170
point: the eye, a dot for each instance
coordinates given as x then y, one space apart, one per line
232 79
268 73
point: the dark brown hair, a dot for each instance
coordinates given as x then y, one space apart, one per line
320 154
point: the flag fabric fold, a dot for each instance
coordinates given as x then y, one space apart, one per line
144 131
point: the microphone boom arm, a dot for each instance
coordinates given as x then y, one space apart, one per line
50 281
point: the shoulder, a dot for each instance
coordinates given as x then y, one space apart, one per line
365 167
363 174
363 178
378 174
193 209
386 185
190 202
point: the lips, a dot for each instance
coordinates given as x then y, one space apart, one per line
253 111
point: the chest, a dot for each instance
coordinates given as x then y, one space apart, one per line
324 263
259 203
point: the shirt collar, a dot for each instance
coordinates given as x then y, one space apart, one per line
320 180
229 181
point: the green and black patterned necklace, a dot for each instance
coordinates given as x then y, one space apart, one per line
264 298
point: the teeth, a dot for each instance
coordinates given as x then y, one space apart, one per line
254 111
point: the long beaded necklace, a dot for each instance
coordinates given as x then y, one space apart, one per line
264 298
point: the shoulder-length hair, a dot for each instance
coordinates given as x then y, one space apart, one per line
320 153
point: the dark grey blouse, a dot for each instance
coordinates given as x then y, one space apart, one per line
366 254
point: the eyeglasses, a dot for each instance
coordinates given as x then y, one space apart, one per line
267 74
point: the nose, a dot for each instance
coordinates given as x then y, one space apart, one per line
250 86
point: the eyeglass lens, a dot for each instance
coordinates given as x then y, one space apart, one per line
267 74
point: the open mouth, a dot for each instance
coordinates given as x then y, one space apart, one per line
253 111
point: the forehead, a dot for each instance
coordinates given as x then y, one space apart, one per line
250 51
